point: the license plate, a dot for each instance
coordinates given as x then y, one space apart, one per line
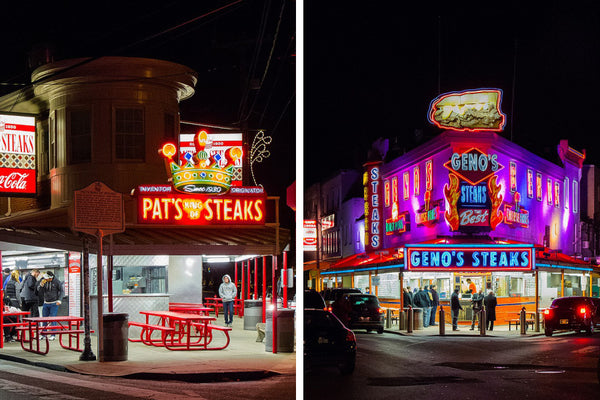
564 321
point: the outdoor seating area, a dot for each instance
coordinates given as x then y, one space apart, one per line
34 333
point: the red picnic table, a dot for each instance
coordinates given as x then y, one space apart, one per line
193 308
18 322
38 328
179 331
216 302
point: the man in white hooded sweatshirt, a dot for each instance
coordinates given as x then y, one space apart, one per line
227 292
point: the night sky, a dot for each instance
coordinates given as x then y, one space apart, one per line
220 46
372 68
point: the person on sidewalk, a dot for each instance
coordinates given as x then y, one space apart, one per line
455 307
53 292
29 298
408 297
435 302
228 293
11 292
421 300
490 302
477 304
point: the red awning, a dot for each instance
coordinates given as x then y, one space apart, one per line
545 254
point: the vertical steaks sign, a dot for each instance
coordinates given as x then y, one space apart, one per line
473 194
17 155
373 206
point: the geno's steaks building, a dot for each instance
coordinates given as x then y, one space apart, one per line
472 204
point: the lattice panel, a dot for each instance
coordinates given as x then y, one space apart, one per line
22 161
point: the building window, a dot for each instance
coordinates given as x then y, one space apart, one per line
538 185
406 185
129 134
566 193
549 190
170 127
556 194
52 142
80 136
513 176
575 196
417 181
429 176
394 189
386 191
530 183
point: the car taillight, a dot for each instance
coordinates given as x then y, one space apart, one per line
328 309
546 312
583 310
380 310
350 336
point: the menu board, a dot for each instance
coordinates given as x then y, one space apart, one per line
74 284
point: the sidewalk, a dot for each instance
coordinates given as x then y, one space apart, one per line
244 358
464 330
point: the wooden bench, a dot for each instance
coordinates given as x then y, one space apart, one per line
148 330
517 322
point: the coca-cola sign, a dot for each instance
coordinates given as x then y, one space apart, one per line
17 155
18 181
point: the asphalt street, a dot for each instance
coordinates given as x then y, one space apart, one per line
27 382
391 366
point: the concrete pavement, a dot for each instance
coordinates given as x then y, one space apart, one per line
244 358
464 330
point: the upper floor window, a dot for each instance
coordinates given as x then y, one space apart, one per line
80 136
129 134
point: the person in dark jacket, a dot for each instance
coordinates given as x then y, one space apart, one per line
53 292
407 297
435 302
490 302
29 298
12 290
477 304
422 300
455 307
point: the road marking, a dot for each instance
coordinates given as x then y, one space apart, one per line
120 389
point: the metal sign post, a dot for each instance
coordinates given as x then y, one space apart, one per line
98 211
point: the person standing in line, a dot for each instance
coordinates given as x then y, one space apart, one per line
6 275
228 293
455 307
422 301
477 304
407 297
29 298
435 302
11 291
490 303
53 292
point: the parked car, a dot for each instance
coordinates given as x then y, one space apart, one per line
364 312
332 295
313 299
327 342
572 314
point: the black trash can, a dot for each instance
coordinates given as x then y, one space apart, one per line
285 331
252 314
115 331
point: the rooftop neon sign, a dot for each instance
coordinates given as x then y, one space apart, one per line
468 110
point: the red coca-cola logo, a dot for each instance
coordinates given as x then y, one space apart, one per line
474 217
17 181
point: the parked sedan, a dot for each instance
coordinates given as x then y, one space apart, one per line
327 342
365 312
572 314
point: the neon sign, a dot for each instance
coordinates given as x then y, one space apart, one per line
373 206
429 214
202 173
180 209
469 110
514 214
17 155
472 193
398 223
469 257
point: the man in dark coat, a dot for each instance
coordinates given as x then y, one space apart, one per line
407 297
477 304
455 307
422 301
490 303
435 302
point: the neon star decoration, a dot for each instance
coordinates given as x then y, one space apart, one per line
201 173
259 152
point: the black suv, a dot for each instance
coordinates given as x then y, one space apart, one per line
572 314
312 299
364 312
333 295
